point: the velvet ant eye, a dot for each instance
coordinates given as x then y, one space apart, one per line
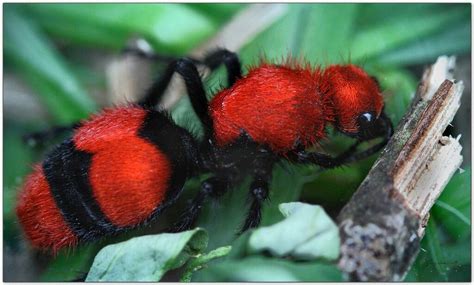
124 166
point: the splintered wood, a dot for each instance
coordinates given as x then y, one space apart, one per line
383 223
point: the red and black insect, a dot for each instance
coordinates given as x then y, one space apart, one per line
126 165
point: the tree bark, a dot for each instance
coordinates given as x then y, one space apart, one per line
383 223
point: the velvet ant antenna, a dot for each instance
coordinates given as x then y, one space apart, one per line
126 165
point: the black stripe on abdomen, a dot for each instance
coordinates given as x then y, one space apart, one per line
67 172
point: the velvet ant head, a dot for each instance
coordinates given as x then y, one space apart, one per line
356 98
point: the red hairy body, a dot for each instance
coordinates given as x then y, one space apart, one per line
128 174
275 105
40 216
282 105
128 178
125 166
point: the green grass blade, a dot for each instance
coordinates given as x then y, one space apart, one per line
434 248
170 28
453 40
390 35
38 61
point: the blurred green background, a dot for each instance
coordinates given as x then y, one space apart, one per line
54 73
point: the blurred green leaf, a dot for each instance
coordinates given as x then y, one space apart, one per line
70 265
218 12
457 253
453 208
305 233
261 269
371 15
302 32
170 28
390 35
451 40
18 157
146 258
399 88
225 218
200 261
434 249
321 43
38 62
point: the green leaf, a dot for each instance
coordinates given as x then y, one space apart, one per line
18 157
302 32
68 266
224 218
451 40
305 233
218 12
40 64
200 261
170 28
371 15
399 88
434 249
146 258
394 34
320 44
453 208
261 269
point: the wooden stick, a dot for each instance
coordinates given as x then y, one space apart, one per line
383 223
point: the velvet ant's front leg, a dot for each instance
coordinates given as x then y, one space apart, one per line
350 155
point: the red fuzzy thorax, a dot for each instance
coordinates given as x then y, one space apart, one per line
129 176
276 105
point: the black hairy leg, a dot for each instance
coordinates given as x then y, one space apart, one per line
211 187
348 156
186 67
212 60
229 59
259 188
194 87
259 194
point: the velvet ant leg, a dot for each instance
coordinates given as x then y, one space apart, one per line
259 192
229 59
48 134
384 128
212 187
323 160
187 69
212 60
259 188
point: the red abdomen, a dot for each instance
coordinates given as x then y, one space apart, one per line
39 215
128 175
276 105
113 174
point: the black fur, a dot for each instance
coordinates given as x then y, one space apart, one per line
67 172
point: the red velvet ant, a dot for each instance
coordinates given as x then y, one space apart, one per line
126 165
